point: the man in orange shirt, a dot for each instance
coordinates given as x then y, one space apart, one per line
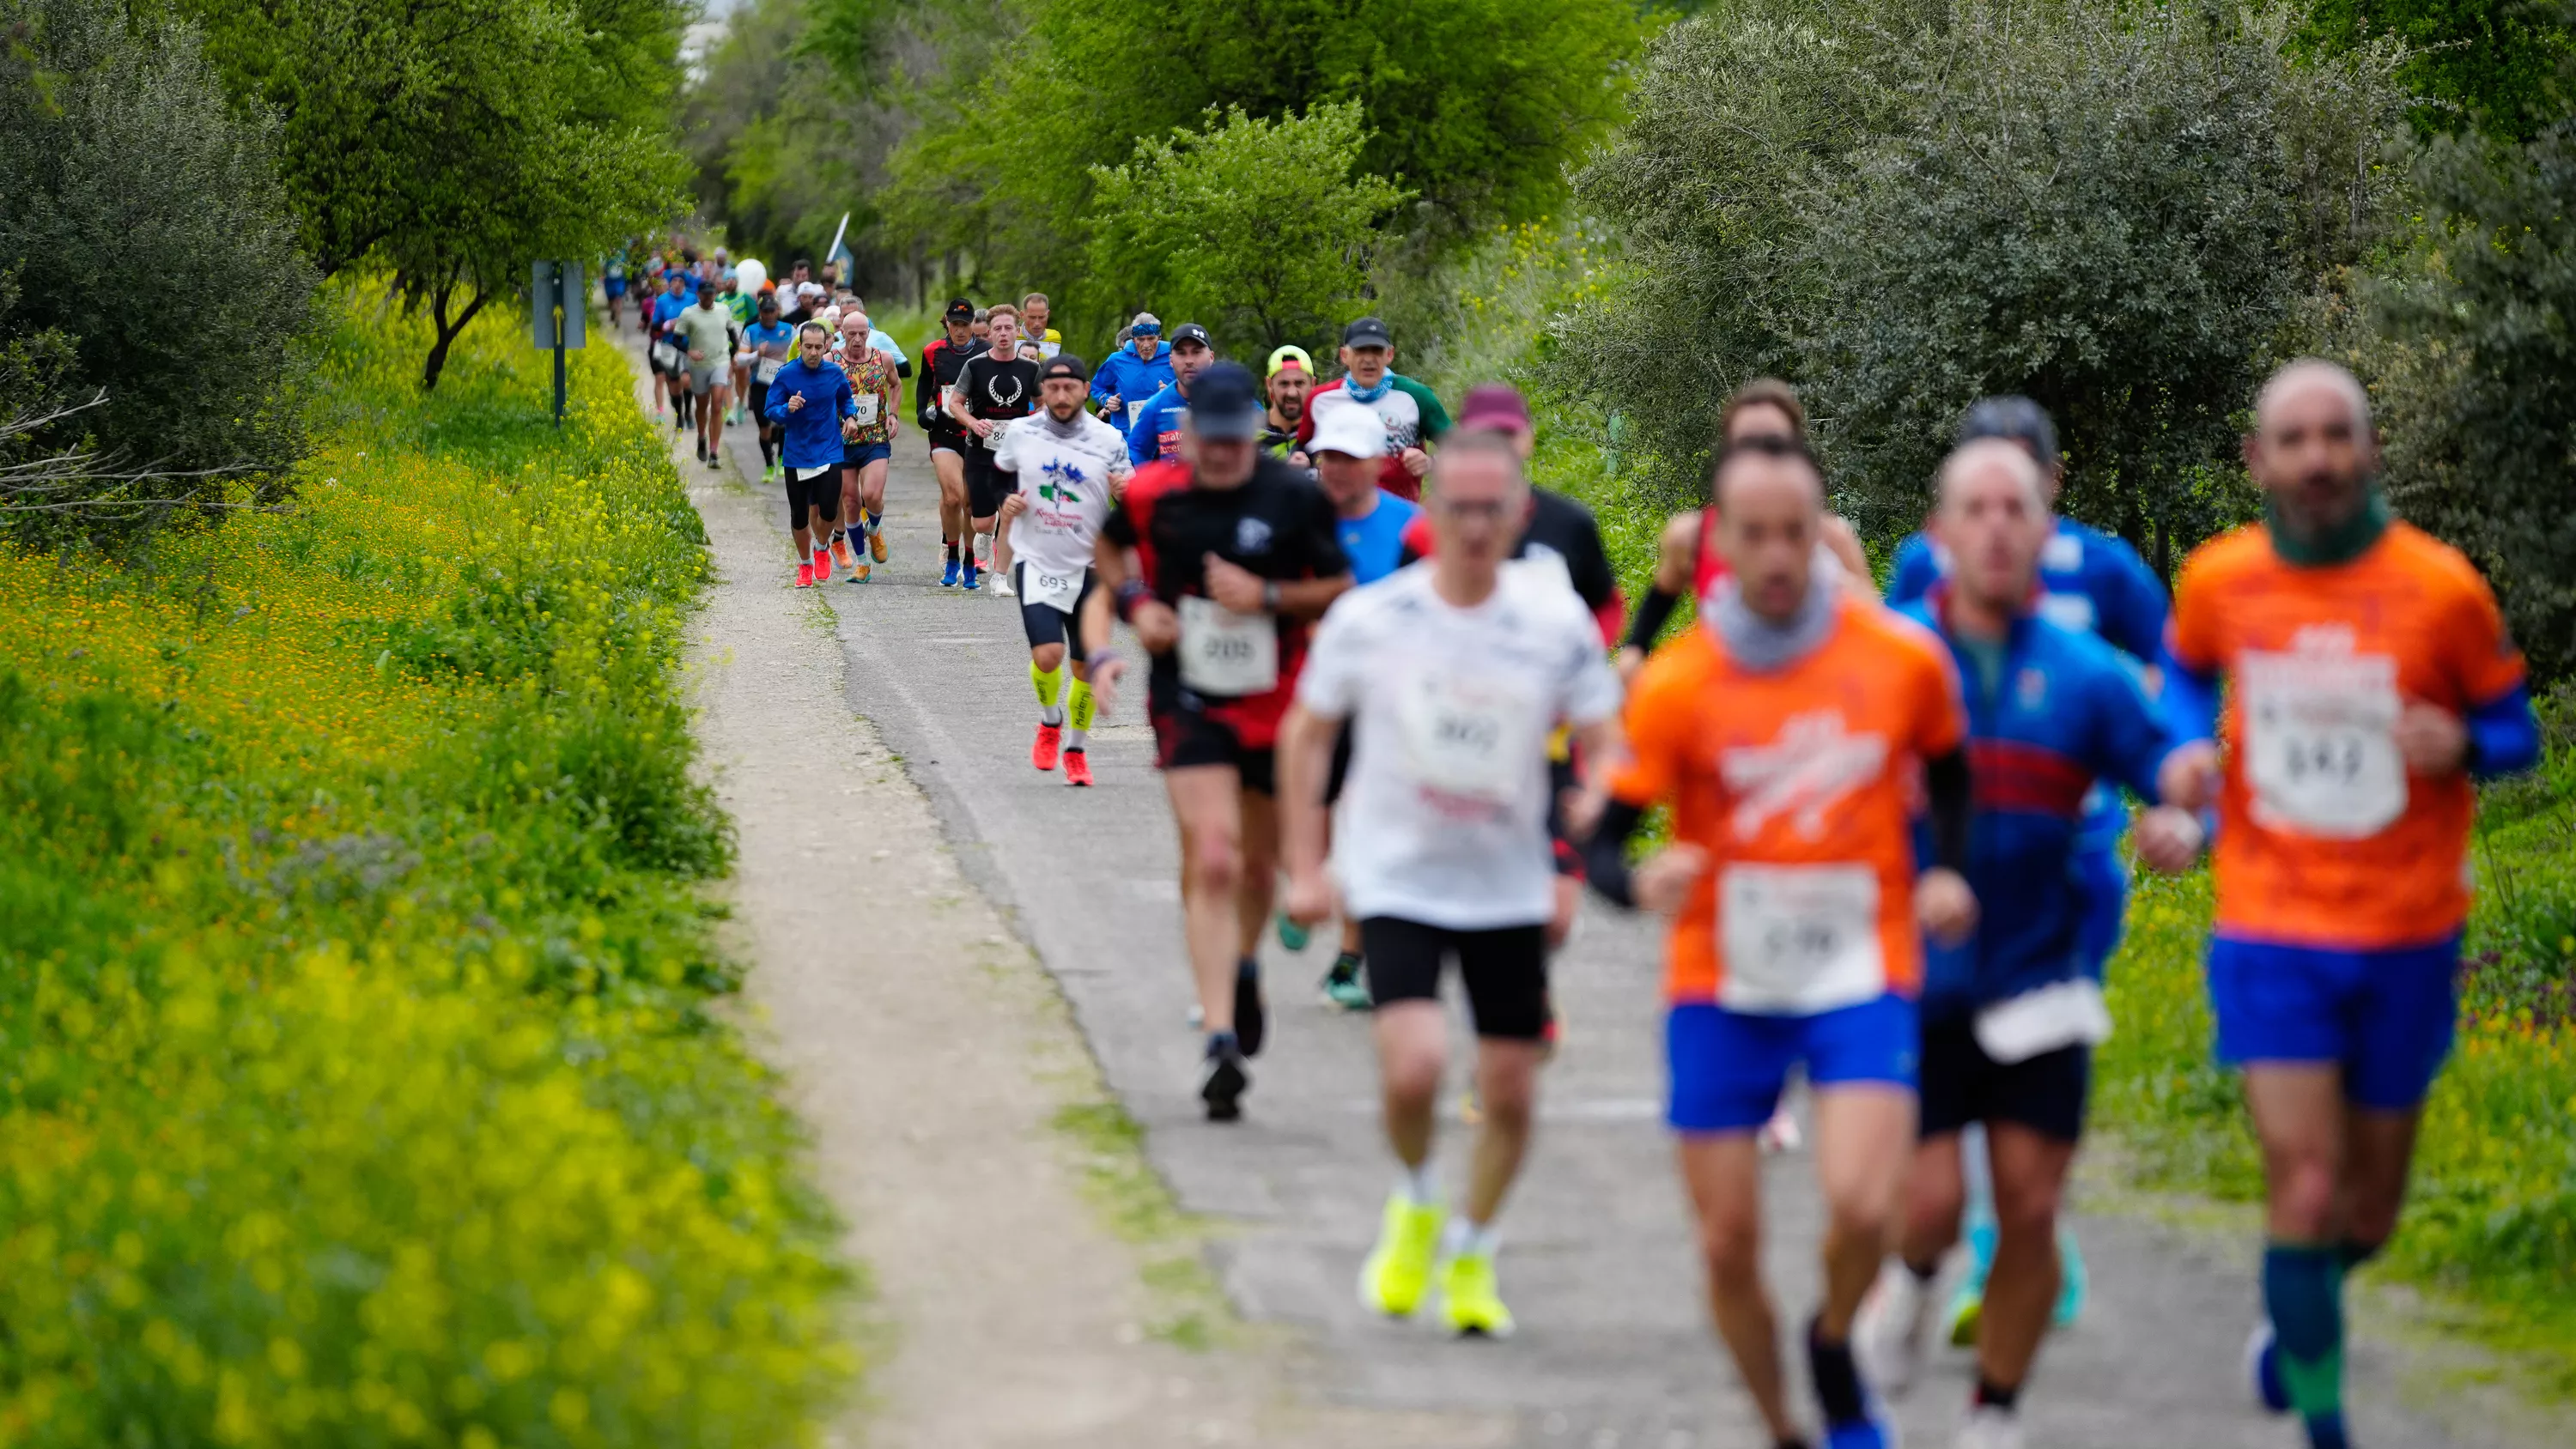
1786 730
2373 681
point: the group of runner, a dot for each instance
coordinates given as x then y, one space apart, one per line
1886 832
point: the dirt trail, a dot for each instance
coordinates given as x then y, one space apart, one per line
960 1124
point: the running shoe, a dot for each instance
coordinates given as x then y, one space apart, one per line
1343 988
1873 1430
1292 936
1050 742
1989 1426
2263 1370
714 463
1470 1300
1077 768
702 447
948 580
1968 1301
859 572
1780 1134
1398 1269
1251 1014
1223 1080
822 565
2074 1282
804 576
841 556
967 576
1895 1320
876 542
1002 585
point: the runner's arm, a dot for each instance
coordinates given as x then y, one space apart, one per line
2504 736
1605 853
1305 761
1309 598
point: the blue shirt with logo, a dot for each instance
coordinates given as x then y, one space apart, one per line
1375 541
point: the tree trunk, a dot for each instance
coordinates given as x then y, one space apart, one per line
447 334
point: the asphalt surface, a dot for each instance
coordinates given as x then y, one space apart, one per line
1614 1347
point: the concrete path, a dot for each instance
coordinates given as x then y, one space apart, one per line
1614 1349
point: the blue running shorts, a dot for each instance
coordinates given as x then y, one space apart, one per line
1728 1067
2386 1017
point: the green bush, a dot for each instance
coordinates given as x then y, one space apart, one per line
361 1088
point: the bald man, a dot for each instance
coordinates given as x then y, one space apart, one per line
2373 685
2010 1015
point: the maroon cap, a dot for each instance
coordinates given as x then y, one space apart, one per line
1497 406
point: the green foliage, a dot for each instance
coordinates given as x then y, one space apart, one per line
2475 368
353 979
1280 231
453 142
2482 63
155 261
2112 211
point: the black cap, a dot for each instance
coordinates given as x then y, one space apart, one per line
1191 332
961 310
1366 332
2016 419
1224 403
1065 364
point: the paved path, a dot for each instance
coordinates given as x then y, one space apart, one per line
1613 1348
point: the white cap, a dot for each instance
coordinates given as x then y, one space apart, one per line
809 289
1350 429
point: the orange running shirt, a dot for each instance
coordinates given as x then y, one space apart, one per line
1798 784
2324 837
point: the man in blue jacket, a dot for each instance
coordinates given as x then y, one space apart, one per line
1155 431
811 396
2011 1016
1133 374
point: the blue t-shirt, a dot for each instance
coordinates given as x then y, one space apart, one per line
759 336
2089 581
667 309
1375 543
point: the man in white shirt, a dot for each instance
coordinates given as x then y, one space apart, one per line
1452 673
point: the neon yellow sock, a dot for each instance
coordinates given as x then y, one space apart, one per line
1050 688
1079 707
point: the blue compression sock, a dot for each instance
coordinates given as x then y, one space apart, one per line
2303 1291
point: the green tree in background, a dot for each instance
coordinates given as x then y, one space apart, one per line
453 142
1279 228
156 285
2487 63
2114 211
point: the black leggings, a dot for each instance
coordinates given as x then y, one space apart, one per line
813 488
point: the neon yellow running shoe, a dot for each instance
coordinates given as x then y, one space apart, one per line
1399 1269
1469 1299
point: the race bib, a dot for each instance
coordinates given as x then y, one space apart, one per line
2061 1014
1800 940
1227 654
866 403
1056 591
765 371
1468 736
665 356
2321 742
1135 410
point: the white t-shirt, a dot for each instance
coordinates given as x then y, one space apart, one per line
1067 482
1443 818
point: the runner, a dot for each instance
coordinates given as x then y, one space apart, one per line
1154 431
1786 731
1232 555
1036 338
1136 371
705 333
1410 412
612 284
812 397
1447 678
992 388
2010 1019
2372 682
1292 375
941 361
669 364
1069 467
982 328
877 393
1370 524
771 342
2095 583
745 309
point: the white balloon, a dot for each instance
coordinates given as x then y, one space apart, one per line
748 274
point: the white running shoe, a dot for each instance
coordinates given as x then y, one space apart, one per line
1780 1134
1895 1320
1002 585
1988 1427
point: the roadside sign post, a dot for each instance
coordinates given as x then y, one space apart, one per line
556 316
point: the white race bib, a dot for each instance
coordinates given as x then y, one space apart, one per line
1470 736
2321 742
765 371
1800 940
866 404
1055 591
1135 410
665 356
2060 1014
1227 654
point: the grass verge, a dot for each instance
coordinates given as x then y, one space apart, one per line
360 1085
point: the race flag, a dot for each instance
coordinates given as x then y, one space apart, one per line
840 253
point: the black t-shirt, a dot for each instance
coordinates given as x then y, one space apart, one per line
1277 526
998 390
941 361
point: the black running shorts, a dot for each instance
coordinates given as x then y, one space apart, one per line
1504 970
946 435
1961 1084
1184 738
986 485
1046 624
813 488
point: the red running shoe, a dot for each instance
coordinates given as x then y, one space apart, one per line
1077 768
822 565
804 576
1043 753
